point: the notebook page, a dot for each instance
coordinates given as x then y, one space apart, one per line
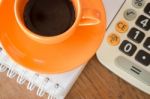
64 80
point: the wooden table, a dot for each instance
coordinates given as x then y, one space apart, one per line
96 82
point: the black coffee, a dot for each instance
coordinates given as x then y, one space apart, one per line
49 17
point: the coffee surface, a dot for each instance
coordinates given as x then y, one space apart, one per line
49 17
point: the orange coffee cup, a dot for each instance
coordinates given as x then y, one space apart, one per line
52 54
84 17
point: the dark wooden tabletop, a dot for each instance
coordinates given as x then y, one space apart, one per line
95 82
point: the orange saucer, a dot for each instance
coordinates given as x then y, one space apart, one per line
49 58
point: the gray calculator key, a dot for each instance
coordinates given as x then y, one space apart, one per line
130 14
133 69
138 3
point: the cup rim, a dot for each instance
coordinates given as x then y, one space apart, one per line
50 39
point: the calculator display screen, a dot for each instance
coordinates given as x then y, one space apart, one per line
112 7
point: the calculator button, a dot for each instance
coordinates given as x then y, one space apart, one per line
133 69
136 35
143 57
113 39
138 3
122 26
130 14
147 9
127 48
147 44
143 22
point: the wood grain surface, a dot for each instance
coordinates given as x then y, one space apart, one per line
95 82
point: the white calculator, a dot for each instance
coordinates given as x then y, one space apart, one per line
126 47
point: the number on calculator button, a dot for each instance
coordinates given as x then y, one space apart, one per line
143 22
147 9
147 44
143 57
127 48
136 35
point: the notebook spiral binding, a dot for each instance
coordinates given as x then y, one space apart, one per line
43 83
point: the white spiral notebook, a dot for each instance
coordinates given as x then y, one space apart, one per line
55 85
